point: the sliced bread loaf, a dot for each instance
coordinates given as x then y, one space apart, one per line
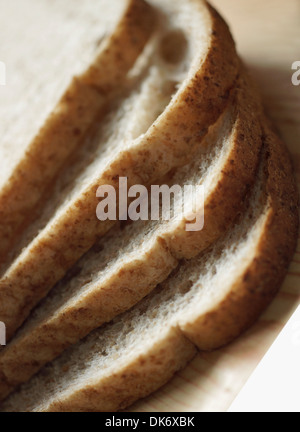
204 304
67 71
125 265
208 71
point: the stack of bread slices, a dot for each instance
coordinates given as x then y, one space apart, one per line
101 313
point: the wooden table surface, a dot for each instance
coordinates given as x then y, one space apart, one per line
267 33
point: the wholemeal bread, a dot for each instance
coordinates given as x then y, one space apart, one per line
204 304
126 265
67 71
207 72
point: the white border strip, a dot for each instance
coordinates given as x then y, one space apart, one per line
275 384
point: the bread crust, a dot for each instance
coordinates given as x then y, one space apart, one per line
170 142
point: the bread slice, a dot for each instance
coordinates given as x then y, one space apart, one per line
143 254
204 304
36 141
208 71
